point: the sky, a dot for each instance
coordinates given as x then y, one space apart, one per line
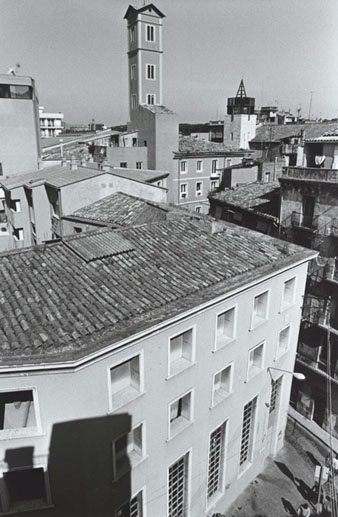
76 52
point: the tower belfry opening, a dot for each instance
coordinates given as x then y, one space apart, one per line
241 104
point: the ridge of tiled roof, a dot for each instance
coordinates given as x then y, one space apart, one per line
275 132
56 307
247 196
188 144
123 209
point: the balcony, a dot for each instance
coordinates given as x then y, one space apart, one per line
331 271
215 175
303 221
310 174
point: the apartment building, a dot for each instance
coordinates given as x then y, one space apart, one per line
36 202
51 124
309 216
198 169
143 371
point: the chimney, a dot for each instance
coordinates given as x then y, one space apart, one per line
83 162
63 162
73 164
105 166
90 159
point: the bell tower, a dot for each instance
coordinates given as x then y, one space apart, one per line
144 56
240 119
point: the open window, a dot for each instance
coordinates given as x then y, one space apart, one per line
181 352
125 382
18 414
180 414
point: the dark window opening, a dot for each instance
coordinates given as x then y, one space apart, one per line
123 165
15 91
17 410
25 487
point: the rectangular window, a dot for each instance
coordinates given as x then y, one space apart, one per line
178 487
123 165
181 352
214 165
216 461
151 72
133 34
228 162
283 340
25 490
199 166
222 385
183 190
151 99
150 33
183 166
225 331
125 381
289 293
248 430
180 414
18 416
16 205
213 185
132 508
121 464
260 309
134 101
138 165
275 393
133 71
21 92
18 234
135 446
255 362
199 188
198 209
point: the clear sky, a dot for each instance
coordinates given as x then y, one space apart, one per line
76 51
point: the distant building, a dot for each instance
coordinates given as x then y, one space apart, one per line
268 114
20 149
139 368
51 124
198 169
240 120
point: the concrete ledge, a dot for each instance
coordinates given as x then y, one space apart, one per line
313 429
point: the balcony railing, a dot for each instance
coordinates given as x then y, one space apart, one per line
310 174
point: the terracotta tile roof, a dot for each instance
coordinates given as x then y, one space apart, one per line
252 195
275 132
99 244
56 307
55 176
158 109
124 210
188 144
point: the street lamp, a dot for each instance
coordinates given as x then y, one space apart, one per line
297 375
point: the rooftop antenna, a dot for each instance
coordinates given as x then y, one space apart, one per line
14 70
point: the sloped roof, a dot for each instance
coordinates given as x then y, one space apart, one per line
123 210
135 10
252 195
276 133
188 144
55 306
55 176
157 108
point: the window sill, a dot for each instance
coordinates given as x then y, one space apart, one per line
286 306
13 434
257 323
179 428
280 353
135 459
214 498
254 373
222 343
32 508
127 399
183 365
219 398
